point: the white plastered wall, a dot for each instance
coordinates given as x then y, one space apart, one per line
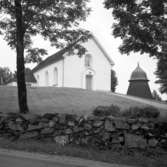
40 75
72 71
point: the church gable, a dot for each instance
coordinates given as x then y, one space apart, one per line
99 56
102 50
59 55
91 71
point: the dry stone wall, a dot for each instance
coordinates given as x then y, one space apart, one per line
102 132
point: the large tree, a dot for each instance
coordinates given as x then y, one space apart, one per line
142 26
55 20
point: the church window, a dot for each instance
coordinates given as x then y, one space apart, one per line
55 76
47 78
88 60
38 79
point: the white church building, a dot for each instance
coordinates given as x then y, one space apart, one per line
92 71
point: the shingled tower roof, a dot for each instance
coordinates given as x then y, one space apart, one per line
138 74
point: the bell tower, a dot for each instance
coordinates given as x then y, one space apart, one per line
138 84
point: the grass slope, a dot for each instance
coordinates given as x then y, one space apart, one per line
64 100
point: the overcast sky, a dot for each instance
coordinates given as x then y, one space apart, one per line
99 23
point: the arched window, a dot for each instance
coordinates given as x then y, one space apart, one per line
38 80
47 78
88 60
55 76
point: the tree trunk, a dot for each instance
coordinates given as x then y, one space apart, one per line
21 85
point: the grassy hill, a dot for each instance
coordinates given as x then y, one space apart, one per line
43 100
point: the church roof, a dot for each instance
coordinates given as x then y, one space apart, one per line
59 56
51 59
138 74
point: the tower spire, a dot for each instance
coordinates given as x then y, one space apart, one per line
138 64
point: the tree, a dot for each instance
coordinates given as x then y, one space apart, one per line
5 75
156 96
142 26
55 20
114 81
161 73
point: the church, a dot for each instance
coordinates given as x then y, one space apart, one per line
92 71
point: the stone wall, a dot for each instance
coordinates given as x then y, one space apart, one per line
104 132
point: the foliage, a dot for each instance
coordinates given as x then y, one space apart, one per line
55 20
145 112
112 110
161 73
142 26
156 96
114 81
5 75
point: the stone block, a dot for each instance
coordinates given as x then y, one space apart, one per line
15 127
152 142
135 126
77 129
55 119
131 121
71 123
48 116
47 131
28 135
145 127
19 120
44 120
32 118
108 125
143 120
62 118
98 123
106 136
121 124
87 126
43 124
84 140
135 141
68 131
51 124
62 140
34 127
115 140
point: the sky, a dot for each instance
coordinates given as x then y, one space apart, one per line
99 22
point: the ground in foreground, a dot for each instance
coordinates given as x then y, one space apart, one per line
147 159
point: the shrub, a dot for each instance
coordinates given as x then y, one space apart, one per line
145 112
107 111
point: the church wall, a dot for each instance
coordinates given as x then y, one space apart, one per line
41 75
101 66
72 70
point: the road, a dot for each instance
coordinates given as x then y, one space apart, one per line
11 161
11 158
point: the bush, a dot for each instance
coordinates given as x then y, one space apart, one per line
107 111
145 112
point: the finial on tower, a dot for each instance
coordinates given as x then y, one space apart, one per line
138 64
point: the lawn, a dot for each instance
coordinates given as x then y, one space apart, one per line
64 100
